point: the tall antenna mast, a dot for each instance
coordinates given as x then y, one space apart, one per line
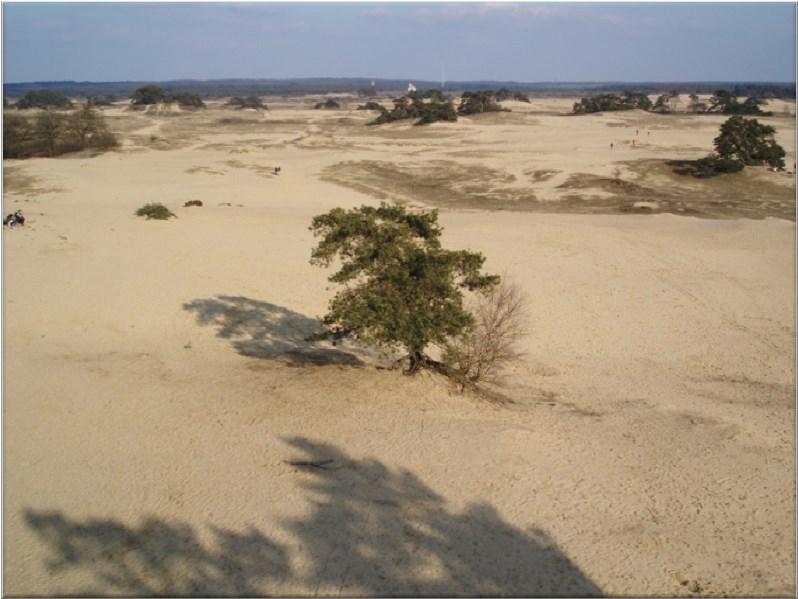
443 76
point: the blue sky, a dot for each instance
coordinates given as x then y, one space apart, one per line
475 41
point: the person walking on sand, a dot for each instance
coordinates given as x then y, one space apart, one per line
611 144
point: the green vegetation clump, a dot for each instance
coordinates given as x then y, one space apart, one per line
478 102
187 100
611 102
401 288
428 106
714 165
370 106
725 102
147 95
750 142
190 203
741 142
328 104
247 102
155 211
45 99
93 101
507 94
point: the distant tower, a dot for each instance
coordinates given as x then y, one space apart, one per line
443 76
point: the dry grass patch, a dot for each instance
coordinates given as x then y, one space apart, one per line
17 181
437 183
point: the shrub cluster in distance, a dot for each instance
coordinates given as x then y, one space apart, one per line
52 133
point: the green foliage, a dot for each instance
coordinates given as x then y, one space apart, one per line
663 104
611 102
190 203
749 141
187 100
328 104
149 94
716 165
507 94
247 102
478 102
370 106
725 102
401 288
100 101
428 106
44 99
155 211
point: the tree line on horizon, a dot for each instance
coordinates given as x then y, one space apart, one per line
721 102
221 88
432 105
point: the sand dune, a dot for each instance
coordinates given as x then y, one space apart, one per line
169 431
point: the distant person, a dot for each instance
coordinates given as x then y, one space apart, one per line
277 170
611 144
637 131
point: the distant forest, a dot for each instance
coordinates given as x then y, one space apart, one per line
221 88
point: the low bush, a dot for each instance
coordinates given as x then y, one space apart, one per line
155 211
328 104
491 344
712 166
190 203
370 106
247 102
44 99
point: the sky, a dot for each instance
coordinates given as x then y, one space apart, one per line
505 41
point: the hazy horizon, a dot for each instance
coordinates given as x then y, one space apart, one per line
522 42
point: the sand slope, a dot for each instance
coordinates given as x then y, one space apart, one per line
157 387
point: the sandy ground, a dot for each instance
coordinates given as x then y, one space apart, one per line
168 431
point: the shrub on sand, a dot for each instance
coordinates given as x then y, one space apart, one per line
155 211
480 354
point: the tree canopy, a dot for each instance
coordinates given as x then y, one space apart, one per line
478 102
401 288
247 102
749 141
149 94
427 106
328 104
609 102
725 102
43 98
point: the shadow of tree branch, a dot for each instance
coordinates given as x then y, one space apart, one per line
372 531
262 330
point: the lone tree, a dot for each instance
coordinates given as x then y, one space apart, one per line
149 94
749 142
401 288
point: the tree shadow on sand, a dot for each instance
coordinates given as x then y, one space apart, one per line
263 330
371 531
